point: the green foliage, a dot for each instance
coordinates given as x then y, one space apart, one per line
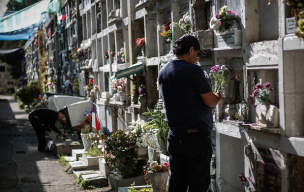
120 153
145 189
158 123
94 152
62 160
29 93
83 183
76 87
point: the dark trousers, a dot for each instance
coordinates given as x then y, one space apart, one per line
39 129
190 156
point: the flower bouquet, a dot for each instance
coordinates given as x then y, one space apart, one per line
167 31
219 76
260 94
106 56
119 84
223 20
140 42
158 176
122 54
184 23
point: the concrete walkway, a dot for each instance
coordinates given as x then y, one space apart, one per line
22 167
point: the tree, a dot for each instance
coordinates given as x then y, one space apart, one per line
14 5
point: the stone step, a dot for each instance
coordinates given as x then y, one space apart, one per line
91 161
64 147
69 158
94 177
80 165
76 153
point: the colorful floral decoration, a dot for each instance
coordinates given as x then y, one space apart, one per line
106 56
219 76
121 53
260 94
223 20
184 23
76 55
140 42
167 31
119 84
96 88
113 53
297 11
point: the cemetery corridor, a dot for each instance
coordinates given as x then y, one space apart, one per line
22 167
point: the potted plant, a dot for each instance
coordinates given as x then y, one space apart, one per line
120 86
158 175
266 113
120 154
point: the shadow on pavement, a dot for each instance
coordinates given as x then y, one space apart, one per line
22 167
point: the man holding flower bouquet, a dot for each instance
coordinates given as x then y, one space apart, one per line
188 102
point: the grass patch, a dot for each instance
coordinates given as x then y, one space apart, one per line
84 184
62 160
94 152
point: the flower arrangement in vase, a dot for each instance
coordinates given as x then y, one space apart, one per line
219 76
106 56
184 23
260 94
76 55
113 53
121 53
119 84
223 21
167 31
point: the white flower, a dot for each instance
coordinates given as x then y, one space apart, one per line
224 68
187 19
213 23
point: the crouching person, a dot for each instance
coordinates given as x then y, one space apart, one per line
44 120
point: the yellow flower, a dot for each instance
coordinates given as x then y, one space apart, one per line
164 34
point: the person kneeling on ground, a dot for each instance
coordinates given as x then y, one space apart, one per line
44 120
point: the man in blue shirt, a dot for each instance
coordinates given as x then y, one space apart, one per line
188 102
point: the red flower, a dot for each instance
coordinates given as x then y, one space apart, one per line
140 42
91 81
76 49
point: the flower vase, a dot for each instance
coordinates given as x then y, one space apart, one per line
158 180
122 96
86 144
261 111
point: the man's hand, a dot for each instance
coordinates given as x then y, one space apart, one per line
62 135
219 95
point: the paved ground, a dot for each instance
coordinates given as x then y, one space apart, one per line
22 167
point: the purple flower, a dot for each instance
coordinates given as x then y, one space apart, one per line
256 92
270 89
267 85
221 23
259 86
251 99
216 16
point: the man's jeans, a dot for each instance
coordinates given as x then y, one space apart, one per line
39 129
190 156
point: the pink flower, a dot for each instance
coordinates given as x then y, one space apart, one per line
267 85
256 92
216 16
166 164
259 86
270 89
254 106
